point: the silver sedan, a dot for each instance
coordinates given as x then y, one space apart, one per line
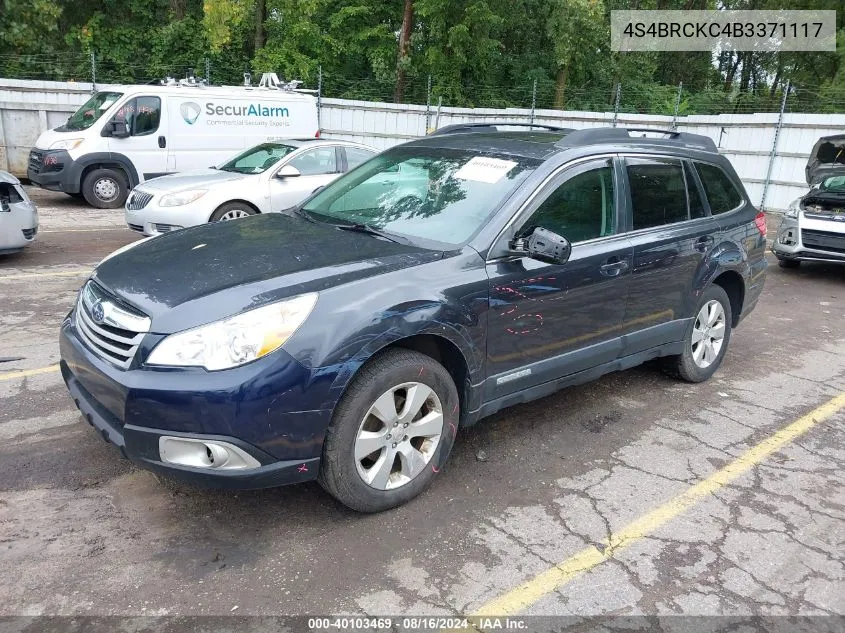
18 215
266 178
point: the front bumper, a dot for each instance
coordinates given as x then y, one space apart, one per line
152 220
133 408
805 239
54 170
18 227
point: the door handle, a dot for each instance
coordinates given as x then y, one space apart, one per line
703 243
614 268
162 142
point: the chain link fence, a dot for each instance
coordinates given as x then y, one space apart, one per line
541 93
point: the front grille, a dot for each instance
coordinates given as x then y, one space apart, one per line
136 227
823 240
114 336
30 233
35 160
138 200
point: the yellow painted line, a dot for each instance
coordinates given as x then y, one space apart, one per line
75 273
529 592
29 372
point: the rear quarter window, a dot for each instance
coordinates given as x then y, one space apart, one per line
720 190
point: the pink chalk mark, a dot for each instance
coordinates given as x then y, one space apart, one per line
454 429
303 468
434 469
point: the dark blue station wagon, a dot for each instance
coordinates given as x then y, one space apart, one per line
351 338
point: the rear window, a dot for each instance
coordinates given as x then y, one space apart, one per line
721 193
658 192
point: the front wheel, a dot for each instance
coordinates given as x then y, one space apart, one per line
105 188
391 433
706 340
232 211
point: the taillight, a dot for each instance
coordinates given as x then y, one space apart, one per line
760 221
317 134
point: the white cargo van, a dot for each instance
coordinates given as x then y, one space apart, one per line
125 135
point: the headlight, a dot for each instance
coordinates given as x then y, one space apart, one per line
794 209
68 143
181 197
236 340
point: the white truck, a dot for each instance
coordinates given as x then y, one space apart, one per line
125 135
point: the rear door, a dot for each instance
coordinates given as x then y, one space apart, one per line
146 146
671 233
317 167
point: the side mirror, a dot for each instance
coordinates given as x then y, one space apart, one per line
288 171
117 128
544 245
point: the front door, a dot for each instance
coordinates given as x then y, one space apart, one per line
672 235
146 145
317 167
549 320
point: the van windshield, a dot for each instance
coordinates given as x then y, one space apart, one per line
257 159
90 111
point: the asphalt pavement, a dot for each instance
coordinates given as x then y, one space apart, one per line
633 495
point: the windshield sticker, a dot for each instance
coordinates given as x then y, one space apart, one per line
483 169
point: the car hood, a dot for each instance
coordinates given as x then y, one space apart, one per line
198 179
201 274
827 159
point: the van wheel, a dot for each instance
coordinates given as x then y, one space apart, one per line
105 188
707 338
391 433
232 211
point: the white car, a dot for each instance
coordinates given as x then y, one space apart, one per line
267 178
18 215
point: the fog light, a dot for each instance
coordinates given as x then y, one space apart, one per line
213 454
787 238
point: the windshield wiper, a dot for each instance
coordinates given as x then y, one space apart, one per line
303 213
369 229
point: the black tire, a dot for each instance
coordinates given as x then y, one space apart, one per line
231 207
684 366
98 185
788 263
339 474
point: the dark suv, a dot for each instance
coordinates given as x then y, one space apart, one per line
349 339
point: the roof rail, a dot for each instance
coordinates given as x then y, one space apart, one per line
492 126
597 136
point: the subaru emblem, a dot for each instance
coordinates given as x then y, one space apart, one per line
98 312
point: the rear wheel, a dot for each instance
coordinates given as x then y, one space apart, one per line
707 338
105 188
788 263
391 433
232 211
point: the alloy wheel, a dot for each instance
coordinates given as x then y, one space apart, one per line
234 214
708 333
398 436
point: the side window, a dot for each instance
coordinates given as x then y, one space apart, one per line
658 192
142 115
696 206
582 207
719 189
322 160
355 156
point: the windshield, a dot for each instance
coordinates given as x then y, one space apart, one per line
91 111
433 194
258 159
834 183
